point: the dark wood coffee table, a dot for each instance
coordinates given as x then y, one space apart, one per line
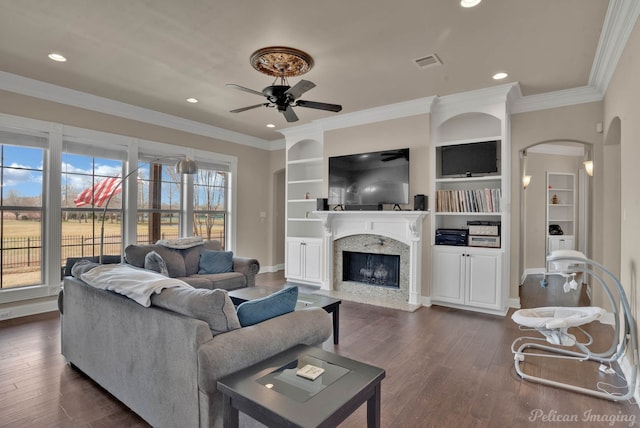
305 300
271 393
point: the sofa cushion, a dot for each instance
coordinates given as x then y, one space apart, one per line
211 306
226 281
154 261
258 310
215 261
135 254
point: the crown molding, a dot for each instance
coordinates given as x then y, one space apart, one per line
618 24
565 97
47 91
558 149
378 114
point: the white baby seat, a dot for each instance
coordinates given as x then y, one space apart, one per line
553 321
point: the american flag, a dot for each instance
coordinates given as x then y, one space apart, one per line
99 193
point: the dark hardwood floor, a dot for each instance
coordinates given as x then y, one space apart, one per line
445 368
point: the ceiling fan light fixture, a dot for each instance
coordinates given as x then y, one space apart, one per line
57 57
469 3
281 61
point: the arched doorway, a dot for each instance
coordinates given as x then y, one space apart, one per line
540 161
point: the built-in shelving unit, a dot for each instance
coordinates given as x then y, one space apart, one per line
561 212
304 177
471 277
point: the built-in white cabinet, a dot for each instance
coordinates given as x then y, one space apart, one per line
561 243
466 277
561 211
303 259
304 178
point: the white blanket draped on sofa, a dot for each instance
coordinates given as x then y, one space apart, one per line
137 284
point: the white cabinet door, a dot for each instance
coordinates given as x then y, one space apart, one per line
304 259
294 259
312 258
467 277
448 270
483 280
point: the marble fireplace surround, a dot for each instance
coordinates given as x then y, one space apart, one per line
400 231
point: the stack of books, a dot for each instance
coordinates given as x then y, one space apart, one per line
469 201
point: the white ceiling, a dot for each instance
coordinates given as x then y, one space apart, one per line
156 53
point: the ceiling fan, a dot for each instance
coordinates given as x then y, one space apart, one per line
285 97
283 62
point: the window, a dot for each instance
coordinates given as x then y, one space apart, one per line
21 209
158 202
210 204
87 184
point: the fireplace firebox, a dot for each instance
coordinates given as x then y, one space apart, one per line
374 269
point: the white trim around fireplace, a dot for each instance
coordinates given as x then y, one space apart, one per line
403 226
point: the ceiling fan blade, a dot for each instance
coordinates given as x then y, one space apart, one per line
299 88
320 106
242 88
290 115
238 110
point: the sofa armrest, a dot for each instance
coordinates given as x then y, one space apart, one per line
235 350
247 266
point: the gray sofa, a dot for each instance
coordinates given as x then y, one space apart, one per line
163 365
183 264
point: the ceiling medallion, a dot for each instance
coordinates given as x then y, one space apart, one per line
280 61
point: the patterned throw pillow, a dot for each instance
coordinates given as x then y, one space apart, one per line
212 261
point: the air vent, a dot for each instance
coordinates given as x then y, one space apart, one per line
427 61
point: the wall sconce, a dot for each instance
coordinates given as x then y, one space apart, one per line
588 166
526 179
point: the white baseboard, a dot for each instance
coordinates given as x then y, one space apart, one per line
271 269
531 271
23 309
514 302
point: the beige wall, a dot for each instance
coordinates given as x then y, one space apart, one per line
254 189
621 101
412 132
572 123
277 214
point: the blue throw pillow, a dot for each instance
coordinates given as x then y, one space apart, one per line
279 303
212 261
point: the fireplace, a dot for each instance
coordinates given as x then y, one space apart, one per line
374 269
379 233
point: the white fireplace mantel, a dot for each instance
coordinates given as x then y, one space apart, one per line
403 226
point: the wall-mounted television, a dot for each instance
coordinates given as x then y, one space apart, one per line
468 160
370 178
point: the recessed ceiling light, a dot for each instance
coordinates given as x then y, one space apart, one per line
270 125
499 76
192 100
57 57
469 3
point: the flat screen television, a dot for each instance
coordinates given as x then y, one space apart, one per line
370 178
472 159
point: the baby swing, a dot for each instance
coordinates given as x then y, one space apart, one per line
553 323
